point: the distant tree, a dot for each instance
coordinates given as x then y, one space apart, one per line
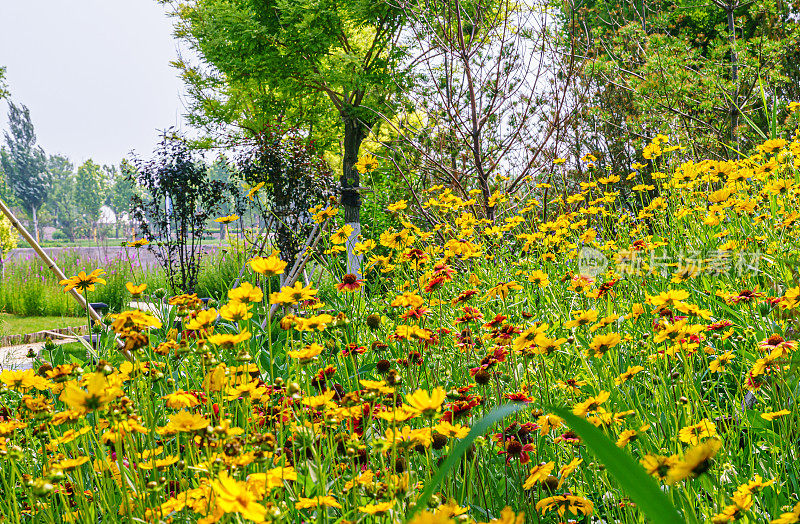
123 189
3 90
25 163
62 194
88 193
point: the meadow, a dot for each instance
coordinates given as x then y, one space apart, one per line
578 359
27 288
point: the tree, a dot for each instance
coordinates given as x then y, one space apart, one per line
88 193
301 54
3 90
489 95
8 241
176 202
690 69
123 189
293 178
25 163
62 194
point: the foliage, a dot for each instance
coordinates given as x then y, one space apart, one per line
178 200
682 68
88 193
9 238
290 63
62 195
287 177
24 163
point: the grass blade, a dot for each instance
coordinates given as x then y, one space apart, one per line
630 475
477 430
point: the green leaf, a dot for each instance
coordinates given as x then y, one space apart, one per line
477 430
632 478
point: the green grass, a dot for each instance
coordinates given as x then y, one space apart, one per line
18 325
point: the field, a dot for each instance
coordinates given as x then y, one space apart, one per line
575 360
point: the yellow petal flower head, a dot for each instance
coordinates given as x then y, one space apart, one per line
236 311
288 296
425 403
233 496
246 293
366 164
184 422
269 266
229 340
135 290
307 353
83 282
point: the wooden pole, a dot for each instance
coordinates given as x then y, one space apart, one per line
53 267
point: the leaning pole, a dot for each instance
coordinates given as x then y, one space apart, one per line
46 259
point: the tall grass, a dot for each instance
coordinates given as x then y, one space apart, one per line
29 288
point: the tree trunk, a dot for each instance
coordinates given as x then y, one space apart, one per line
35 223
354 134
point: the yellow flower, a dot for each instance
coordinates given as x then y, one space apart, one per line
202 319
790 517
181 399
775 414
538 474
427 404
254 190
318 401
400 414
397 206
581 318
292 295
341 235
134 320
269 266
566 503
602 343
377 509
320 216
449 430
236 311
229 340
159 463
245 293
365 246
325 500
696 461
695 433
591 404
307 353
233 496
507 516
539 278
366 164
97 395
83 282
135 290
69 464
226 220
184 422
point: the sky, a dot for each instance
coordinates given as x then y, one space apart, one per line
95 74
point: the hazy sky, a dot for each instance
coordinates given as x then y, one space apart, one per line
95 74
